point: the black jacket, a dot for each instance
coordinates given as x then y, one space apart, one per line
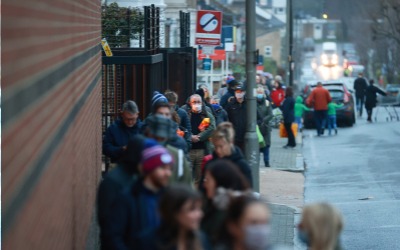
370 96
220 115
110 187
360 85
287 108
237 116
225 98
238 159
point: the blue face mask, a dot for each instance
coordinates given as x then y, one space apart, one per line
260 96
215 106
303 237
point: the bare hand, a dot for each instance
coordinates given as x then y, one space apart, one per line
195 138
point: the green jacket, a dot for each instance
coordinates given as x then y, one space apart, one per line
264 116
332 108
299 107
182 170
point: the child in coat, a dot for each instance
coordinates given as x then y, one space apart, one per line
332 116
299 109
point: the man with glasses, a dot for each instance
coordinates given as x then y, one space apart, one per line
203 124
121 131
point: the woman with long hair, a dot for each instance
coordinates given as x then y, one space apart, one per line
180 213
223 139
320 227
246 225
222 181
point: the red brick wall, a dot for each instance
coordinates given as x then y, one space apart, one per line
51 121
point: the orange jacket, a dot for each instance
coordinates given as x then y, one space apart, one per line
319 98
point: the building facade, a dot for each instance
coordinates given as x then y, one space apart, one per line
51 123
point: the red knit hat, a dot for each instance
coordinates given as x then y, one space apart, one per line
155 157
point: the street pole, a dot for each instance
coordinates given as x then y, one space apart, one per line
252 151
290 35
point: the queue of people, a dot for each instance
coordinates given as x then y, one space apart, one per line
179 179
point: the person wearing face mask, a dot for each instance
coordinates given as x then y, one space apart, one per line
222 179
320 227
180 213
264 116
220 113
236 110
203 124
246 226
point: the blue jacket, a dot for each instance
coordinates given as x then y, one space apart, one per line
133 214
225 98
185 125
118 135
287 108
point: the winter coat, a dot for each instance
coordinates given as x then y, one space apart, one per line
184 125
113 183
299 107
237 116
370 96
319 98
158 240
332 108
277 96
225 98
133 213
212 221
287 108
238 160
264 116
221 115
360 86
117 136
206 134
182 170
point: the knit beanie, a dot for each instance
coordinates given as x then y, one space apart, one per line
158 97
229 79
155 157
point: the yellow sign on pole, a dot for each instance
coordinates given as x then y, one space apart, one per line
106 47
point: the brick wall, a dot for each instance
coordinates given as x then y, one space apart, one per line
272 39
51 121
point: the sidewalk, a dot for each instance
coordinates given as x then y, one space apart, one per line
282 185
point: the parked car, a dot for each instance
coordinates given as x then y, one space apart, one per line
392 91
340 94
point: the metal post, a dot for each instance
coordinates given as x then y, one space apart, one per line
252 151
290 35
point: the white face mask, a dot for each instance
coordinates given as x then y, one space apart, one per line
239 95
196 108
257 237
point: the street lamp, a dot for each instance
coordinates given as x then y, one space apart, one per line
325 16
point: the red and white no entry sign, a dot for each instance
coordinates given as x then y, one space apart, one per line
208 27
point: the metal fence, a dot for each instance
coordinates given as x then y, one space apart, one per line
135 73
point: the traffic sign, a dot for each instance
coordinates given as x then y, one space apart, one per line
208 27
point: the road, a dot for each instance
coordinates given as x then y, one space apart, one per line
359 172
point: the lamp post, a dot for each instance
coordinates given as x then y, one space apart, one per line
252 151
289 19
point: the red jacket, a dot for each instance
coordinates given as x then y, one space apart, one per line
319 98
277 96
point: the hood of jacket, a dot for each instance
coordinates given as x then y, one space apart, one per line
299 99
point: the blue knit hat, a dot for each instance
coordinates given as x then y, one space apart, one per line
158 97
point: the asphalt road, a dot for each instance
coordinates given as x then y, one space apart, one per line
359 172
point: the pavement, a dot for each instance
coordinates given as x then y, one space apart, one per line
282 185
358 171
